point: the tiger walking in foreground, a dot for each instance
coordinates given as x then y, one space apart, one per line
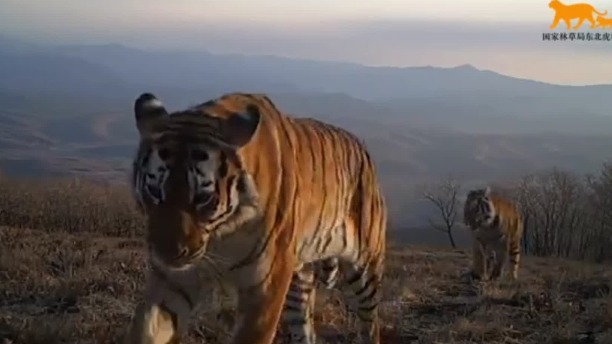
497 229
270 201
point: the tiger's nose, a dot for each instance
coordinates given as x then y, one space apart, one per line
183 252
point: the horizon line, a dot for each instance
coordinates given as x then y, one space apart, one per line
303 59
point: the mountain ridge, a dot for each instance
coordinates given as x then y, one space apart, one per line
422 124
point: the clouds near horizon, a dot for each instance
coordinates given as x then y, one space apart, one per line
505 35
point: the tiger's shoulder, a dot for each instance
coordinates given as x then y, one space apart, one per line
503 203
507 210
241 101
326 128
269 109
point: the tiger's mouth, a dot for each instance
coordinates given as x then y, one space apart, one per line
476 223
474 226
181 262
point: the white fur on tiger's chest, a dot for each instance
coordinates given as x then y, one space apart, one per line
486 235
241 246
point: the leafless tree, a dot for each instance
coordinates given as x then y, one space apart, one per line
552 205
444 196
524 196
566 215
600 188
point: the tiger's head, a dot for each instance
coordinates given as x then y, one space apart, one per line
555 4
602 20
478 209
188 178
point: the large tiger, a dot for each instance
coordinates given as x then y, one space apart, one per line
270 200
497 228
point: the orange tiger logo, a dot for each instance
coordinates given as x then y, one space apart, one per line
580 11
603 22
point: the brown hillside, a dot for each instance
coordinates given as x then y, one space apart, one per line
77 278
80 288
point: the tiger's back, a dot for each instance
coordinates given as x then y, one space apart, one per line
341 214
319 176
337 191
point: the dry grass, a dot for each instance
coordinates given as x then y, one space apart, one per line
68 205
78 280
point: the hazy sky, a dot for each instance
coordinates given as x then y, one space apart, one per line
502 35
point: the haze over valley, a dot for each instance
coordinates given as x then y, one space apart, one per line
66 110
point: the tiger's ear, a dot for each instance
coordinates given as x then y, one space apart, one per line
487 191
147 110
240 127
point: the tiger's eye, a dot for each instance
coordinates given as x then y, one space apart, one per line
163 153
206 204
199 155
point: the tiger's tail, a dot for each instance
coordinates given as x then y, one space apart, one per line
604 13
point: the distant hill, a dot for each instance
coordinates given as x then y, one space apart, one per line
199 68
67 109
463 98
43 72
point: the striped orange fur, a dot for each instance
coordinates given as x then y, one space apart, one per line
271 201
497 229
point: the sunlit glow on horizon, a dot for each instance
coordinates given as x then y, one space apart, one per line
502 35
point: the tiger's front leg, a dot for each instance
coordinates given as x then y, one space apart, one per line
299 306
500 259
262 288
153 324
162 317
479 260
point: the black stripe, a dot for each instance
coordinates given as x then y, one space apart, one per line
328 240
293 298
301 286
321 177
310 147
293 308
255 252
372 294
296 322
302 289
382 224
339 174
228 204
270 104
223 165
369 229
208 103
282 212
370 308
355 278
366 285
345 237
329 267
496 220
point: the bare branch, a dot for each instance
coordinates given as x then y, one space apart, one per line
443 196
